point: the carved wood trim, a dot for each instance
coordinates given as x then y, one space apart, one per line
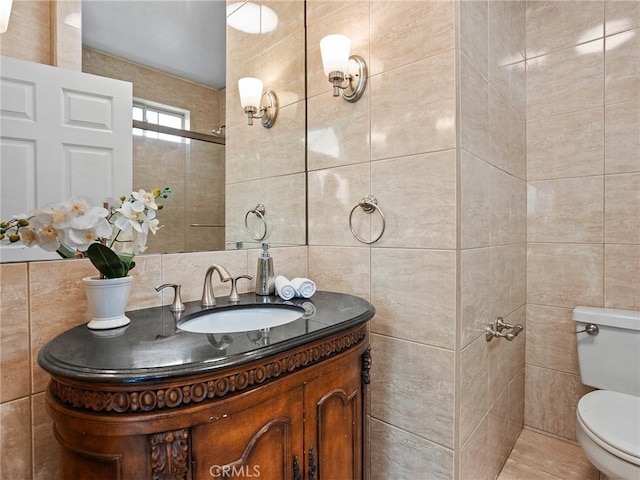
366 366
153 399
170 455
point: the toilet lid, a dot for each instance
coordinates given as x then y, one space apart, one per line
614 418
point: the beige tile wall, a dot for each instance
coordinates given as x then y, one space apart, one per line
66 22
267 165
493 232
398 142
583 199
433 299
40 300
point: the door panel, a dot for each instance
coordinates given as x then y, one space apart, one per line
334 422
62 134
256 441
89 171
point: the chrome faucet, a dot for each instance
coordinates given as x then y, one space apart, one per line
208 298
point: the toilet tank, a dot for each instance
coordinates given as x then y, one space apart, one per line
610 359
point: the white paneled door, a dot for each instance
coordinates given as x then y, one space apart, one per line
62 134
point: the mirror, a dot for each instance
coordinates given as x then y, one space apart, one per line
216 187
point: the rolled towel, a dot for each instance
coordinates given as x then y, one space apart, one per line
305 288
284 289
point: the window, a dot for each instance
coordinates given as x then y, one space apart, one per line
162 115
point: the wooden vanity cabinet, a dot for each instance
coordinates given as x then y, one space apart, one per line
313 427
259 438
334 427
305 424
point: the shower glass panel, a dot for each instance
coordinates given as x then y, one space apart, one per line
193 217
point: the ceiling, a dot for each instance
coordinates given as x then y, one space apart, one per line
185 38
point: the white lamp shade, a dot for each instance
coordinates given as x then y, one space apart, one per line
251 18
250 91
335 50
5 13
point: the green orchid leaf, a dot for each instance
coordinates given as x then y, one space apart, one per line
107 261
127 261
66 252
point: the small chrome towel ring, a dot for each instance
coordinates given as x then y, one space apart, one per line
259 212
369 204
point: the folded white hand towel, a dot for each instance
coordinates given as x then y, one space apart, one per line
284 289
305 288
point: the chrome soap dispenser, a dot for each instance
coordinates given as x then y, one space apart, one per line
265 283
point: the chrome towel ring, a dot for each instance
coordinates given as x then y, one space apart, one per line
259 212
369 204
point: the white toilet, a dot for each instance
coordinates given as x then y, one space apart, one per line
608 423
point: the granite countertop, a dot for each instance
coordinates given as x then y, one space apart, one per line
151 347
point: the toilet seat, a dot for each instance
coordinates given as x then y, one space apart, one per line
612 420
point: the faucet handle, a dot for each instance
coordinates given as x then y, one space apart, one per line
233 296
177 305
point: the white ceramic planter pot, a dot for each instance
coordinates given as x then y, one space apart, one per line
107 299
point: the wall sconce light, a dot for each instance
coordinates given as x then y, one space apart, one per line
339 67
5 13
252 101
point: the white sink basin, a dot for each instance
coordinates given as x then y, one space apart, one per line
241 319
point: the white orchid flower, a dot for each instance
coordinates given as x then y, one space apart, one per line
60 216
57 215
132 216
139 243
49 238
87 229
147 198
154 225
29 237
46 237
41 232
79 206
73 225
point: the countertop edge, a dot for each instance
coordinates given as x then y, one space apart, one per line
57 369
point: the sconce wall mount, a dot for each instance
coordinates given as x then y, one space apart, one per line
356 79
251 98
347 73
268 110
